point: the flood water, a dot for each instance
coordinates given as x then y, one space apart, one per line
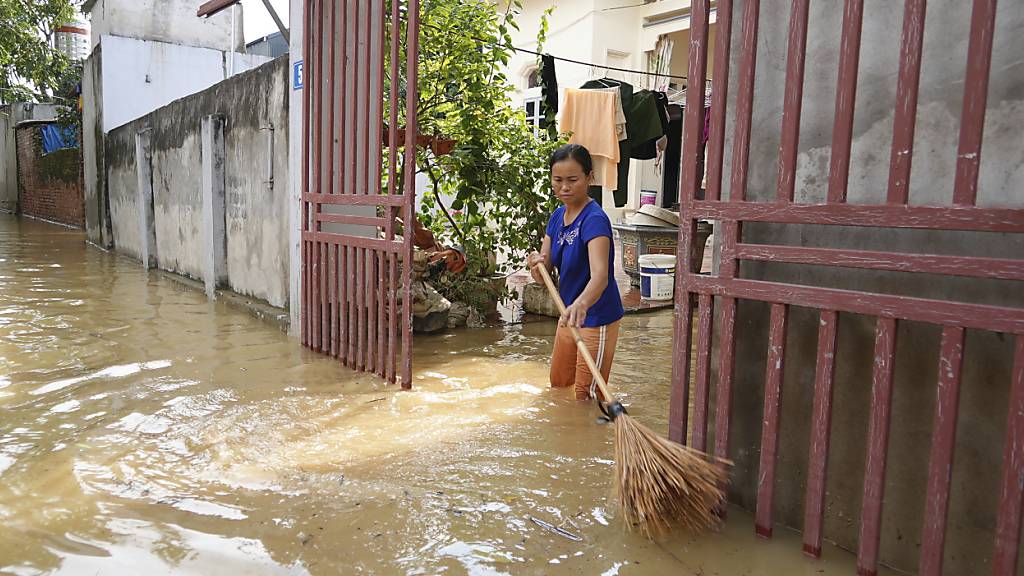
145 430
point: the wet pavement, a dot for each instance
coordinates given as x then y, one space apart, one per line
146 430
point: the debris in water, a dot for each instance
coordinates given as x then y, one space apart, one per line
552 528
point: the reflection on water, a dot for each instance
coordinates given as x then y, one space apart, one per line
144 429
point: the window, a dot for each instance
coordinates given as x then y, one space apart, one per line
535 114
533 78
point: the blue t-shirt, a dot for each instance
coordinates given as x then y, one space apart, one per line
569 255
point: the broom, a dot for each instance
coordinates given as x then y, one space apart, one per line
659 483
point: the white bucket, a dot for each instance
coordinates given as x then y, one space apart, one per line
657 276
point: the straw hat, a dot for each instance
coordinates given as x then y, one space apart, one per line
651 215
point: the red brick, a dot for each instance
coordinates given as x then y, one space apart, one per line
49 187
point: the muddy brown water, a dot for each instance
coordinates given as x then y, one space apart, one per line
146 430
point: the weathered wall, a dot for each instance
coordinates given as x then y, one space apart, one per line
10 116
8 163
49 186
986 375
256 213
171 21
97 220
145 75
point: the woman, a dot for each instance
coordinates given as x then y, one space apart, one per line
578 243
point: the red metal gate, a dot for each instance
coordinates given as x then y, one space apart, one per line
727 287
355 304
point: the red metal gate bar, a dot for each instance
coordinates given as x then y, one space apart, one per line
1007 546
719 93
744 112
972 119
410 186
977 267
846 93
793 99
878 447
702 385
389 231
678 407
693 126
873 215
942 312
775 367
821 424
907 83
940 462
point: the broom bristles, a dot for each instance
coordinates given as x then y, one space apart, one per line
661 484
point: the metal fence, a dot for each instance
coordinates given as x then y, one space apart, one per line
724 290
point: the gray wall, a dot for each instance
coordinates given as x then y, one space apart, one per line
256 214
980 435
171 21
97 218
8 163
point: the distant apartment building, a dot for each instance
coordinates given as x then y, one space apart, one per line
73 40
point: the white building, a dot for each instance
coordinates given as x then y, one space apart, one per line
608 34
73 40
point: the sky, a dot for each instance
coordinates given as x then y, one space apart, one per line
258 22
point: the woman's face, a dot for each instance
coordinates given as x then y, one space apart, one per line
569 182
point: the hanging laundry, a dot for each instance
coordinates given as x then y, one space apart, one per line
621 191
590 116
651 114
620 114
549 85
673 156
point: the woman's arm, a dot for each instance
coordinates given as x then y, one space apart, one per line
597 255
537 257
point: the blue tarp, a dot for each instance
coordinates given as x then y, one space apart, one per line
57 138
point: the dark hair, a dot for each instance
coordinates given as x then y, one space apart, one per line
575 152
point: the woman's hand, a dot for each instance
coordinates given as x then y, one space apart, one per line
533 259
574 315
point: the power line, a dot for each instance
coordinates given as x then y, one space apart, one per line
563 59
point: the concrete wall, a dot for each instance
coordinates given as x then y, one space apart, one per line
8 163
97 218
10 116
295 55
980 439
141 76
170 21
50 185
256 213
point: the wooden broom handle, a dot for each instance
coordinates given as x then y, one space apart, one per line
580 344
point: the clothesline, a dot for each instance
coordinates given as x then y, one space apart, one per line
602 66
570 60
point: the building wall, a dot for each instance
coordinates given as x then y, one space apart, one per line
141 76
256 213
49 186
10 116
986 375
170 21
9 163
97 218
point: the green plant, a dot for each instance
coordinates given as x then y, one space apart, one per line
30 67
491 194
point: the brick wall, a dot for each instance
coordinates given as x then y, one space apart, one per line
50 186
